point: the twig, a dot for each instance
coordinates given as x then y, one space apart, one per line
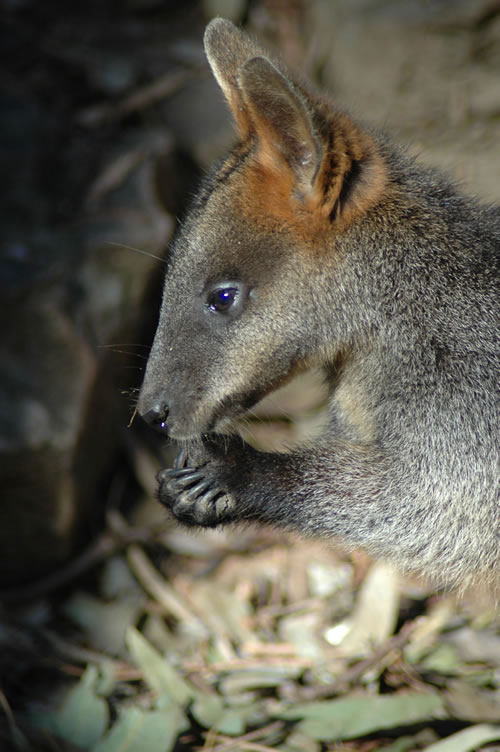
71 652
355 673
247 740
152 581
250 664
248 746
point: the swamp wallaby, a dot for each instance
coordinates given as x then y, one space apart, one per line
317 242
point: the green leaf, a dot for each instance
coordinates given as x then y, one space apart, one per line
232 723
141 731
82 718
443 659
467 740
104 624
106 681
298 742
158 674
207 709
210 712
238 682
351 717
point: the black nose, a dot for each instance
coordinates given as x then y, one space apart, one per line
157 414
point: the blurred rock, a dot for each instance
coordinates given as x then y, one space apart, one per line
424 71
62 410
199 119
87 217
47 371
125 230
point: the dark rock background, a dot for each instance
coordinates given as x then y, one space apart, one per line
84 185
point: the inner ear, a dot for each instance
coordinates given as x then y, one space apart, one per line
281 120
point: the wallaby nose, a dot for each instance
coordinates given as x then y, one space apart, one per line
156 413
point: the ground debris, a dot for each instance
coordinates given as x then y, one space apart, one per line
239 655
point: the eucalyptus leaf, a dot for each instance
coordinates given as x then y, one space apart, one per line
82 718
250 679
211 712
232 722
106 680
298 742
443 659
207 709
468 740
163 679
104 624
141 731
351 717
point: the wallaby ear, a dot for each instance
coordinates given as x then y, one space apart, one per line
333 168
281 120
228 49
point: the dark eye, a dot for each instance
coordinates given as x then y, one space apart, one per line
222 299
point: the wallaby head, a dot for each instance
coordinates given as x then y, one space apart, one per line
243 285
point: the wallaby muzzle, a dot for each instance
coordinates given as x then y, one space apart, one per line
155 412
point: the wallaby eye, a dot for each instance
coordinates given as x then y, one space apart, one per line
222 299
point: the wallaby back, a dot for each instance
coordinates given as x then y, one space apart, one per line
316 241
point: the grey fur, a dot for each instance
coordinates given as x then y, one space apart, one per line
400 306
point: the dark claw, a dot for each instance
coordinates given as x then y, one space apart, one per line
181 459
197 490
211 494
188 480
180 472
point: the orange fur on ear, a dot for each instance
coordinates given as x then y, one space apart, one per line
353 175
313 162
285 132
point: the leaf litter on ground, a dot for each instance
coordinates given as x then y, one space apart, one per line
259 641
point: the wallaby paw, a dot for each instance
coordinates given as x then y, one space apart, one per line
193 494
